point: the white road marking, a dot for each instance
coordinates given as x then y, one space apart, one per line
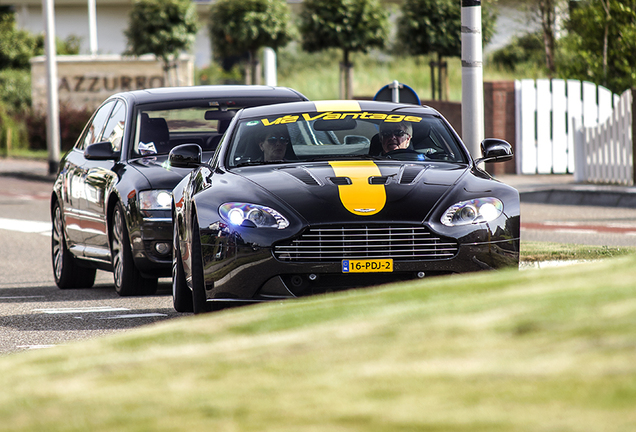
35 346
25 226
146 315
97 309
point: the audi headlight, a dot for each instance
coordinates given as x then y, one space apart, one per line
252 215
155 200
473 212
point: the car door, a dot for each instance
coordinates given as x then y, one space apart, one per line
98 180
73 178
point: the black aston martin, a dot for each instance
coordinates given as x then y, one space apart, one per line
110 204
313 197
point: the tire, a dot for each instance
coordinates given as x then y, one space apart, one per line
128 280
199 303
67 273
181 294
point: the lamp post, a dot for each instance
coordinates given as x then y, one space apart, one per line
53 115
472 77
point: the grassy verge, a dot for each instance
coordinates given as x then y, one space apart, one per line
497 351
545 251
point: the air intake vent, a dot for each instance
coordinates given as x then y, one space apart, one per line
335 243
340 181
410 173
302 175
378 180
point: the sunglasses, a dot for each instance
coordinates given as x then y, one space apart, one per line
274 139
397 133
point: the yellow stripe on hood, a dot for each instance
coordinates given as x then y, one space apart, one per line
360 197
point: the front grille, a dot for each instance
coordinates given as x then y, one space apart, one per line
332 244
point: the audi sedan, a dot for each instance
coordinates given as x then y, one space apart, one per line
314 197
110 204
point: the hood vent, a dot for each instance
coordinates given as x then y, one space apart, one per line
379 180
340 181
301 174
410 173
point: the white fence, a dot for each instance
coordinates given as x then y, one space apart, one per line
546 114
604 153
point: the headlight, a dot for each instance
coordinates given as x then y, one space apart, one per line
473 211
252 215
155 200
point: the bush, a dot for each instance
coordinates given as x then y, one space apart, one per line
72 122
15 90
13 133
526 50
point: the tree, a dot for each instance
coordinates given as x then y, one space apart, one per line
600 44
349 25
434 27
164 28
243 27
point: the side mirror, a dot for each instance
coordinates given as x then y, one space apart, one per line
495 150
185 156
101 151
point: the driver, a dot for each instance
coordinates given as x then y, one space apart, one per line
274 144
395 136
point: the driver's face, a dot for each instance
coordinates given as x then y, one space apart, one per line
394 139
274 147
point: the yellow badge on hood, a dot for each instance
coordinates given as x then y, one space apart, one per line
360 197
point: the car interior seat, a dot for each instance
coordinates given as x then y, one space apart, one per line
155 130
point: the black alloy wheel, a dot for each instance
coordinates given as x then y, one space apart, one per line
128 279
181 294
66 271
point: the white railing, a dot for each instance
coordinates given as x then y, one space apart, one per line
604 153
546 114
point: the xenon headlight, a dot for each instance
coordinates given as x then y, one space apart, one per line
155 200
252 215
473 212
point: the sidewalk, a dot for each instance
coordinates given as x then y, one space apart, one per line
542 188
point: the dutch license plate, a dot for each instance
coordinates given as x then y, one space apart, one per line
367 266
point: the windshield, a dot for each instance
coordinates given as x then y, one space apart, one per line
311 136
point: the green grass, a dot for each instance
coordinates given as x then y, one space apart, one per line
546 251
549 350
317 75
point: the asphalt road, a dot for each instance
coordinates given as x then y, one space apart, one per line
34 313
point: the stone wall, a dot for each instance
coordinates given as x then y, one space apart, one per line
85 81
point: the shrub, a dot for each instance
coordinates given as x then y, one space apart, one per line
72 122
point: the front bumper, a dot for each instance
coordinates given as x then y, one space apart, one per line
152 247
253 274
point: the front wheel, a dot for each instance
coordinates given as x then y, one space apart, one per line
67 273
128 280
181 294
199 301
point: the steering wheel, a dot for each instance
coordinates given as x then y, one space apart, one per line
403 154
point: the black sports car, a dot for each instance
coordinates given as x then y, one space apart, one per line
110 204
312 197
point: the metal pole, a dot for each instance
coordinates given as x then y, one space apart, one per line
92 26
395 91
53 118
472 77
269 59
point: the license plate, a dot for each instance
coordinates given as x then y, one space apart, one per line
367 266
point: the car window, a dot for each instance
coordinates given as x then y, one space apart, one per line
311 136
114 130
159 130
93 130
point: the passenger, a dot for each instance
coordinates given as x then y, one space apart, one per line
395 136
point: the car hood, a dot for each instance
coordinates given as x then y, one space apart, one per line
333 192
158 172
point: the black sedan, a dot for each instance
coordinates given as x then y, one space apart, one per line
110 204
314 197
